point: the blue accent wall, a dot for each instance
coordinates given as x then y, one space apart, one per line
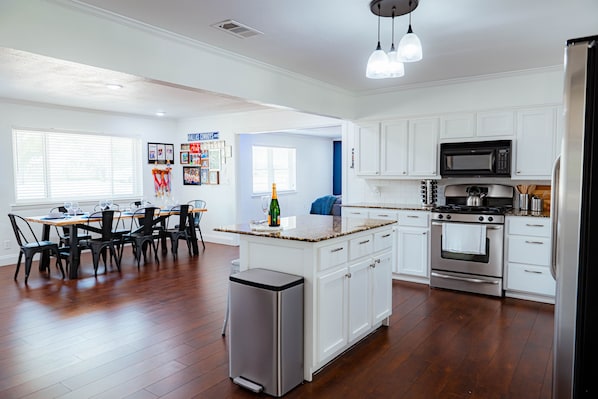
337 170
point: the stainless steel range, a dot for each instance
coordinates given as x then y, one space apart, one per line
467 241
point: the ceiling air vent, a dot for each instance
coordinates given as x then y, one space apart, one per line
237 29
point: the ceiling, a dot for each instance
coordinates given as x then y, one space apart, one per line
329 41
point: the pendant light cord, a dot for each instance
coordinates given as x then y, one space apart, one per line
379 48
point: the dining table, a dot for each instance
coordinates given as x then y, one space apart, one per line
76 222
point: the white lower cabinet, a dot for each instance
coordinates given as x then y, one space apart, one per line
352 300
413 246
527 259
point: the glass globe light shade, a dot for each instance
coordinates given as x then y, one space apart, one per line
377 65
410 47
396 69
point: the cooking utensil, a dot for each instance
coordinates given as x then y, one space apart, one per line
475 196
531 189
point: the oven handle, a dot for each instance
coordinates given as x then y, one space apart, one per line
469 280
488 227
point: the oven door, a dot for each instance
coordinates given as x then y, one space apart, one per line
468 162
490 264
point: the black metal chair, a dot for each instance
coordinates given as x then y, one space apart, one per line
198 204
30 245
107 239
143 233
181 230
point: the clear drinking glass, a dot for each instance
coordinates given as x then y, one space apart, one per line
109 203
74 208
265 201
68 205
103 204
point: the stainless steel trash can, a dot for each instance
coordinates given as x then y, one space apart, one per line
266 331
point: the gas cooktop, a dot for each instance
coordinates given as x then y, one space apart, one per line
483 210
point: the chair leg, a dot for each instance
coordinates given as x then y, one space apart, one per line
201 236
155 251
59 264
18 264
28 260
174 246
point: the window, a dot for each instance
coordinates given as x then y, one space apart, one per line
58 166
273 165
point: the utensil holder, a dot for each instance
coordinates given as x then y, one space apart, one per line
537 204
524 202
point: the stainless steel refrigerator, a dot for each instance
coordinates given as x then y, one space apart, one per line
575 228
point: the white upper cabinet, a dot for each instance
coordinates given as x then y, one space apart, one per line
535 145
457 126
495 123
394 146
368 155
423 147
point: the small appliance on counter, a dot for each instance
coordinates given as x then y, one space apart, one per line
429 190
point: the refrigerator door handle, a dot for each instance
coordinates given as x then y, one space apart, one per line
554 209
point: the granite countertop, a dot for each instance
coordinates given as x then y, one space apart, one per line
310 228
382 205
519 212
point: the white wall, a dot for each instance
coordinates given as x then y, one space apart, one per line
314 173
22 115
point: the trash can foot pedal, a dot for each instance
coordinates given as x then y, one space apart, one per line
252 386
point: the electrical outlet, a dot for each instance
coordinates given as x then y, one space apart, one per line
6 244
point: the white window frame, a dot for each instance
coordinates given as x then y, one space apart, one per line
130 186
272 171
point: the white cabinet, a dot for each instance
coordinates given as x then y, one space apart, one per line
457 126
535 144
413 246
356 297
354 212
495 123
423 147
398 149
527 259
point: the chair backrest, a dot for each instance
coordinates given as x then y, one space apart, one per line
22 229
109 220
197 204
183 211
145 217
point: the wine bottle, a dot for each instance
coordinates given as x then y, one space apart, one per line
274 212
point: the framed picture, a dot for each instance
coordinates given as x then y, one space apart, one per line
214 156
184 157
152 152
205 163
214 176
204 176
161 152
194 158
191 176
169 150
185 147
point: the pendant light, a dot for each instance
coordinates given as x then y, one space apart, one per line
396 69
377 67
410 47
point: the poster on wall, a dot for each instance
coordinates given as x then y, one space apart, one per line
160 153
191 176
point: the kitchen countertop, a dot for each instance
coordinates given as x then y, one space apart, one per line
518 212
310 228
382 205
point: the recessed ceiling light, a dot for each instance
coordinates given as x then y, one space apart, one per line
160 113
114 86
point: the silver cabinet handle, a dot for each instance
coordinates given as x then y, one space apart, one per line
554 209
534 242
532 271
469 280
383 215
386 235
348 275
534 225
336 249
413 216
364 242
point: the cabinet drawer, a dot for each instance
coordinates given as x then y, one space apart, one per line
361 246
528 278
413 218
529 250
383 240
333 255
383 214
529 226
350 212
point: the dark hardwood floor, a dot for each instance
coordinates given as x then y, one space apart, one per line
155 333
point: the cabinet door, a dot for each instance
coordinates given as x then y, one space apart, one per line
359 299
368 155
393 148
412 250
352 212
332 313
423 147
495 123
381 277
534 154
457 126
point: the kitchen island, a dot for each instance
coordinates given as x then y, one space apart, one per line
347 267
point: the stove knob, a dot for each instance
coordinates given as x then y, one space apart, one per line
490 218
481 218
448 216
440 216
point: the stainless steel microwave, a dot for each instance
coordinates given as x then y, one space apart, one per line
477 158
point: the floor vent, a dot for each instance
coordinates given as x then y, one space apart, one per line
237 29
